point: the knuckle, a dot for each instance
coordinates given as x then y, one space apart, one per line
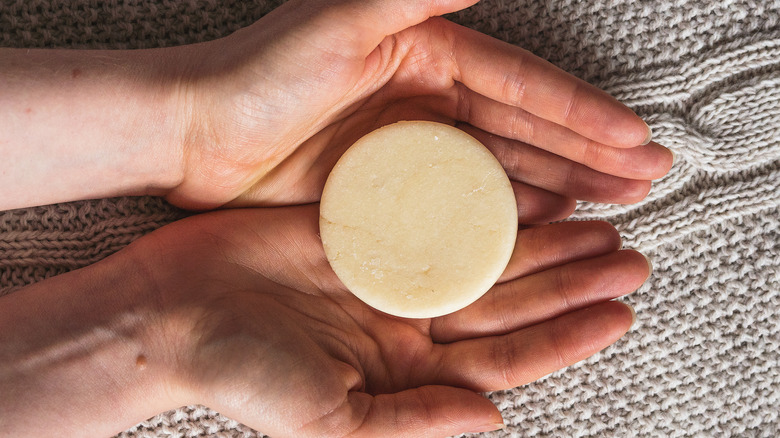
592 152
572 177
504 359
522 126
563 285
463 105
514 84
571 109
558 345
510 155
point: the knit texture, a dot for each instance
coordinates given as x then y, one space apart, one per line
703 359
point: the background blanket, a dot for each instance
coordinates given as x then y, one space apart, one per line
704 357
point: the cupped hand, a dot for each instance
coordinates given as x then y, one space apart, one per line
264 331
269 109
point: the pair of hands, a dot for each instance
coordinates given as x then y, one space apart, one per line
364 372
239 309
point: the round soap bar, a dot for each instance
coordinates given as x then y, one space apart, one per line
418 219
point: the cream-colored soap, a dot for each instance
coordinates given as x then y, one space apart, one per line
418 219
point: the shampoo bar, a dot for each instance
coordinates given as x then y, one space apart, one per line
418 219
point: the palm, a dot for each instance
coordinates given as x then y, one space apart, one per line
277 330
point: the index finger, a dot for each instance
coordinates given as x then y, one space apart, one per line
511 75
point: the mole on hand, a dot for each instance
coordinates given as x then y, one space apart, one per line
140 362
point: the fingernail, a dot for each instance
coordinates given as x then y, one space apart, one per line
649 135
633 314
674 156
649 265
488 428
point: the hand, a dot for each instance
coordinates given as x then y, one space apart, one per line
273 106
278 343
240 311
261 116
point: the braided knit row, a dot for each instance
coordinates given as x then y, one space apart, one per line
41 242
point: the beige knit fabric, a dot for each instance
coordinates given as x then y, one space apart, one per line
704 357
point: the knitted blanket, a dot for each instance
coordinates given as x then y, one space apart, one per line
704 356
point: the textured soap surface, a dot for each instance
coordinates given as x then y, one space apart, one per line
418 219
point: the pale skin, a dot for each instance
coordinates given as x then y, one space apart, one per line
260 117
239 309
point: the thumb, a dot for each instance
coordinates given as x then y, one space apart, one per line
390 16
428 411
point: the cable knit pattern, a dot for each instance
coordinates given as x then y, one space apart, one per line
40 242
704 357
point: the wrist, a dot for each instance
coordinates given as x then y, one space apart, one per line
205 92
85 348
87 124
151 115
161 116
